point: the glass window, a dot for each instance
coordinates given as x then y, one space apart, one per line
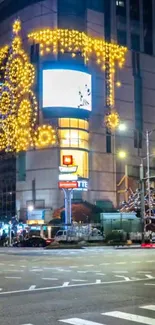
108 142
64 122
73 123
121 7
121 37
134 10
80 159
74 138
135 42
97 5
148 22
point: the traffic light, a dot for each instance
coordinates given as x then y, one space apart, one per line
138 213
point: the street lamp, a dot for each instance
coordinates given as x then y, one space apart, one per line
122 154
30 208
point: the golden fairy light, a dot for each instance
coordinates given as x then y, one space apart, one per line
112 120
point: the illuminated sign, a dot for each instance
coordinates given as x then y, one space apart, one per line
82 185
68 185
67 160
68 169
68 177
67 88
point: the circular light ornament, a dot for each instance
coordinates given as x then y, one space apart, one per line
45 136
112 120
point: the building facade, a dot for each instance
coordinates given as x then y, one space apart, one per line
130 23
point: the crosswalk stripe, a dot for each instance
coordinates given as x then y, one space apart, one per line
79 321
131 317
149 307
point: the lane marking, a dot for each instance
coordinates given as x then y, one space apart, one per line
49 279
124 277
79 321
65 284
100 273
14 271
71 286
120 263
78 280
82 271
12 277
149 307
36 270
149 276
120 271
136 262
131 317
32 287
104 264
144 272
98 281
150 261
149 284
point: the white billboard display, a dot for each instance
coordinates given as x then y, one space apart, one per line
67 88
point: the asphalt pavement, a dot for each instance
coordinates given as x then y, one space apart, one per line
92 286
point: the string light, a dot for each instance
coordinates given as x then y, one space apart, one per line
107 55
45 136
112 120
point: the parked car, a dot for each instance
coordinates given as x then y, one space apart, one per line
33 242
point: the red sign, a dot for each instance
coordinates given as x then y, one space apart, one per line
67 184
67 160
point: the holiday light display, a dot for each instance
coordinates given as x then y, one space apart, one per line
18 105
78 43
112 120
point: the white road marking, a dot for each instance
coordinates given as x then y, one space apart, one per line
73 267
120 263
131 317
78 280
23 266
32 287
98 281
36 270
136 262
12 277
82 272
11 264
144 272
149 284
149 307
149 276
100 273
49 279
124 277
120 271
79 321
151 261
65 284
71 286
14 271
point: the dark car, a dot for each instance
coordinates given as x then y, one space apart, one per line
33 242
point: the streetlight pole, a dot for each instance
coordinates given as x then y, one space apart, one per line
148 170
142 200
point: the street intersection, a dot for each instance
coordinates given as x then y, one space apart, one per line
80 287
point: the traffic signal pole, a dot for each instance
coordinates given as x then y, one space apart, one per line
142 201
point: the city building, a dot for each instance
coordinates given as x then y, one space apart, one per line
83 133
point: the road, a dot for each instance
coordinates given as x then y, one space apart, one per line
93 286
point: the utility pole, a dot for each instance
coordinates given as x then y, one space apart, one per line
148 170
142 201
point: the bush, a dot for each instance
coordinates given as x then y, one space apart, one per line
115 237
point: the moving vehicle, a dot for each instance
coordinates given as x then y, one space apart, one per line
33 242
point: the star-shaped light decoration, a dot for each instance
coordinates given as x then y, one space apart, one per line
112 120
16 26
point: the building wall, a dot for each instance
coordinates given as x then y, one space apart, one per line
43 165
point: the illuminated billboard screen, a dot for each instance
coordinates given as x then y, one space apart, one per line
67 88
